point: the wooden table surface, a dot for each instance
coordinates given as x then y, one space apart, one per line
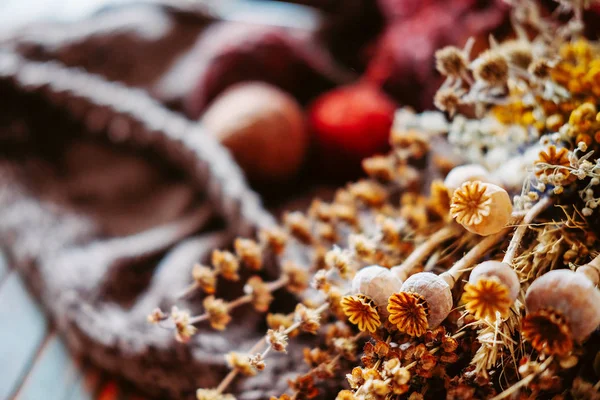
34 362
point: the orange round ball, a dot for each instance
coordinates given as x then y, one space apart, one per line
262 126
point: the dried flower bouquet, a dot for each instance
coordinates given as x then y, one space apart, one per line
481 285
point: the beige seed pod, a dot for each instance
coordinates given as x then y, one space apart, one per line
465 173
482 208
424 301
499 270
378 283
492 289
572 295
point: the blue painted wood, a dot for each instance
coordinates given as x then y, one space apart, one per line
23 330
53 375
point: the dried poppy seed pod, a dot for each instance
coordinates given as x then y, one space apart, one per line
424 301
465 173
492 288
562 306
482 208
500 270
378 283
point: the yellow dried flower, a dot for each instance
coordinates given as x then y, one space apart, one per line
218 312
241 363
345 395
226 264
212 394
274 239
340 260
361 311
298 226
308 318
278 339
553 158
297 277
379 167
260 292
278 321
408 311
183 329
249 252
370 193
487 297
205 278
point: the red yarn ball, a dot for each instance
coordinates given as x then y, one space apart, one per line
352 122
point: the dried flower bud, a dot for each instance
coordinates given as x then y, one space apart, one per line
183 329
297 277
492 288
491 67
370 193
226 264
341 260
424 301
278 321
205 278
540 68
298 226
363 247
274 239
257 362
278 339
218 312
518 53
482 208
156 316
465 173
379 167
378 283
249 252
241 363
570 294
450 61
308 318
448 99
261 295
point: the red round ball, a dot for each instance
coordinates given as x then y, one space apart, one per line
352 121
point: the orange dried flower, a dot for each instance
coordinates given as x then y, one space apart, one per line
205 278
548 332
298 226
308 318
361 311
553 157
486 297
297 277
274 239
261 295
218 312
249 252
226 264
408 311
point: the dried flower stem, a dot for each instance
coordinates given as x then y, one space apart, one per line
403 270
272 286
525 381
467 261
233 373
515 242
